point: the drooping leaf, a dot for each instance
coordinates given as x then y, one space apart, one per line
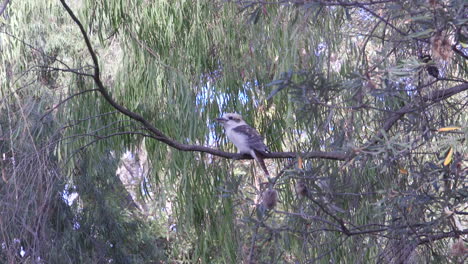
449 156
446 129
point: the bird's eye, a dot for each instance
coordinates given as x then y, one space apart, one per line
230 117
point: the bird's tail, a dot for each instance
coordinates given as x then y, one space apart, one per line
259 158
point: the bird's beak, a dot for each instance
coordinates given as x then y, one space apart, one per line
221 120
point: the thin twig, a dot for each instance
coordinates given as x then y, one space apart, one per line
65 100
4 5
160 136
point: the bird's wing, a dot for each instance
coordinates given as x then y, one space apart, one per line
254 140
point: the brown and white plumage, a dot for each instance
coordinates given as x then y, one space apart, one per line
245 138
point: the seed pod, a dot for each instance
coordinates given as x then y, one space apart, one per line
301 189
459 249
270 198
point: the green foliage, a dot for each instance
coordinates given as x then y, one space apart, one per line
313 76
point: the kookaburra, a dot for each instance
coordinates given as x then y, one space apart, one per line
245 138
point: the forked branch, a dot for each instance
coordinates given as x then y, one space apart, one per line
160 136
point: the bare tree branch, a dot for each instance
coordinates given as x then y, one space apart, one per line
4 5
160 136
431 238
65 100
326 3
381 19
434 97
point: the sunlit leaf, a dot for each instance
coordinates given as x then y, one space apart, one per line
448 158
421 34
445 129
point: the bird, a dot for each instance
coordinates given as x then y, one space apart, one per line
245 138
430 68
